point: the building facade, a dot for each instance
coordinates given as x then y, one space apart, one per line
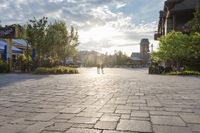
140 59
175 15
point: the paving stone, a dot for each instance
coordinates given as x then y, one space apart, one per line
139 94
134 125
82 130
71 110
89 114
44 117
125 116
84 120
59 127
171 129
167 120
140 114
107 110
165 113
127 107
154 103
12 128
51 132
37 127
22 121
105 125
65 116
120 111
140 118
190 118
108 131
109 118
140 101
194 127
83 125
29 101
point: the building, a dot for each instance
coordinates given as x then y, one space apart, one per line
21 44
4 50
175 15
140 59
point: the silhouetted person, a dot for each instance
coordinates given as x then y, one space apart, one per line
102 68
98 67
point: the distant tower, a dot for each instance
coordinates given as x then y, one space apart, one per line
144 49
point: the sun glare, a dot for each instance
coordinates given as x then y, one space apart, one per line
98 33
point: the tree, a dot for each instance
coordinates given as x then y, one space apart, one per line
179 49
35 34
121 58
60 42
51 41
194 24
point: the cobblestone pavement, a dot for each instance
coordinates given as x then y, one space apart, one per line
119 101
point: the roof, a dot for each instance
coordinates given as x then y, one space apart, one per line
14 49
185 5
135 55
144 41
20 42
135 58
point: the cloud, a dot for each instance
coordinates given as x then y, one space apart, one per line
102 24
119 5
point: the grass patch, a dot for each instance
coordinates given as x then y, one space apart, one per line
185 73
56 70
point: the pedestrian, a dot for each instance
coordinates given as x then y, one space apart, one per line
102 69
98 67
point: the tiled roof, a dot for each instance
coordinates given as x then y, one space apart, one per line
185 5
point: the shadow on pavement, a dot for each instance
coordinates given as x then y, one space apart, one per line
8 79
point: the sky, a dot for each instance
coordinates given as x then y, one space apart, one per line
103 25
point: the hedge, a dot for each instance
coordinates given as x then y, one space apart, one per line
185 73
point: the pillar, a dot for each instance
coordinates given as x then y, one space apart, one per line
9 43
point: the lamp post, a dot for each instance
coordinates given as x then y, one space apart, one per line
152 48
150 60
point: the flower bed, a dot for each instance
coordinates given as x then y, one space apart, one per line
56 70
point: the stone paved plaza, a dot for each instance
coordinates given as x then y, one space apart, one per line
119 101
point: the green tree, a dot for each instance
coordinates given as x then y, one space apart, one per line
121 58
51 41
35 34
194 24
60 42
179 49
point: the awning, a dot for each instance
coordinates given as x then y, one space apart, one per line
14 49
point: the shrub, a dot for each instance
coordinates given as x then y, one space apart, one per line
25 62
56 70
185 73
49 62
4 67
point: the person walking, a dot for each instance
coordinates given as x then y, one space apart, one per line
98 68
102 69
